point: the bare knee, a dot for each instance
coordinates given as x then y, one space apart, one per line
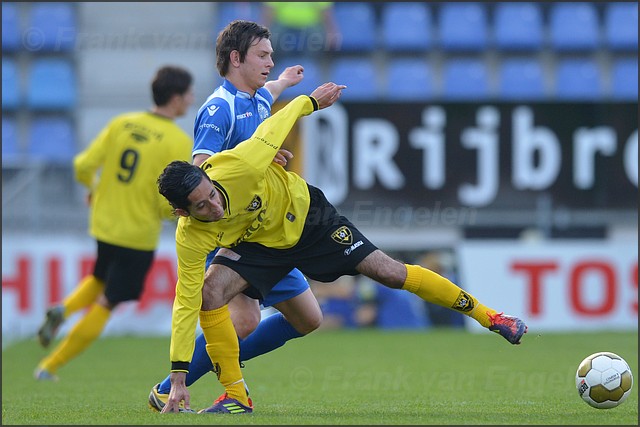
104 302
245 321
302 312
309 323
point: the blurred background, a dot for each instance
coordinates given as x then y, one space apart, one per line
496 143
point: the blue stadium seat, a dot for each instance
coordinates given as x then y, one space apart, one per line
230 11
463 26
574 26
359 74
52 140
406 26
578 79
521 79
51 85
11 152
621 26
465 79
11 93
312 79
409 79
11 35
356 22
53 27
624 79
518 26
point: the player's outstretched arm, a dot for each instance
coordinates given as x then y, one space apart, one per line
327 94
291 76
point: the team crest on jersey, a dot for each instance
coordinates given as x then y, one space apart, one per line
463 303
255 204
262 112
343 235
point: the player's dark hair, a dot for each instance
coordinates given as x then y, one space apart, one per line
169 81
237 35
177 181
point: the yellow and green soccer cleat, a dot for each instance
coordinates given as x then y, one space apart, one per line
227 405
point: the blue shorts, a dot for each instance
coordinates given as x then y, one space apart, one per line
292 285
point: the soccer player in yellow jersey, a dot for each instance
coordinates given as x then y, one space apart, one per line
120 168
268 221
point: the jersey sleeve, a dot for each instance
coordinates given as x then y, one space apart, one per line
87 162
211 127
187 303
259 150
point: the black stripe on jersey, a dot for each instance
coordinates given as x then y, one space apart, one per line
222 191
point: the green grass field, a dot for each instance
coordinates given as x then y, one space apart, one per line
440 377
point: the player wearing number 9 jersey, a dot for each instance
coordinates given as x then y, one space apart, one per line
120 168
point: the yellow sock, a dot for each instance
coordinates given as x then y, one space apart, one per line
434 288
83 295
224 351
79 338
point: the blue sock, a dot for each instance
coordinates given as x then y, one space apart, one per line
271 333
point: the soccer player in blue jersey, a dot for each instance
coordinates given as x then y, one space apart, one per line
229 116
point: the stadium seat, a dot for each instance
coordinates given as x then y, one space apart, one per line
53 27
357 25
463 26
521 79
312 79
360 76
11 94
621 26
409 79
230 11
465 79
11 152
51 85
11 35
518 26
624 79
574 26
578 79
52 140
406 27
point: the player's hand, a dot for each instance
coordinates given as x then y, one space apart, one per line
292 75
178 393
327 94
283 157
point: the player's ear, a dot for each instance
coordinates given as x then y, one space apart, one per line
234 58
181 212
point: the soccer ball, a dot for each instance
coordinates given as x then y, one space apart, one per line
604 380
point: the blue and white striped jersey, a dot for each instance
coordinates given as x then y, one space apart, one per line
228 117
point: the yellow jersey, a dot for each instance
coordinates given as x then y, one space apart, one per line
264 204
120 167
